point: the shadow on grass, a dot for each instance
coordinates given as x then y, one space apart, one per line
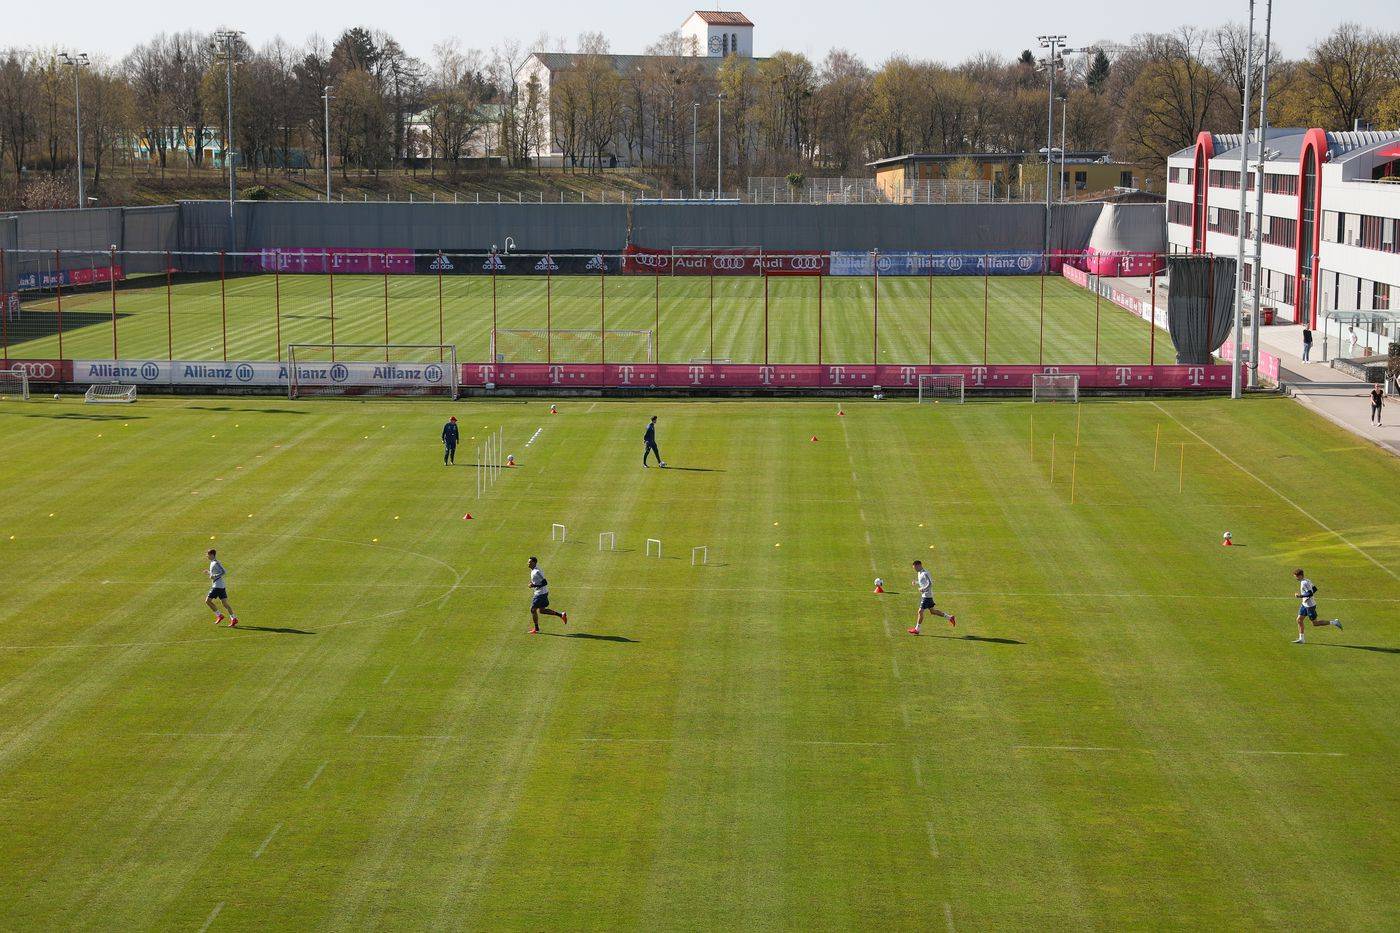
695 469
74 416
252 411
616 638
1379 648
280 631
992 641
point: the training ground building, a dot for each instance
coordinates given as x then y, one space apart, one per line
1331 219
923 176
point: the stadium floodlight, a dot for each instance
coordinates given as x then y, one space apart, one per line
1055 387
227 38
77 62
326 97
1235 362
1054 44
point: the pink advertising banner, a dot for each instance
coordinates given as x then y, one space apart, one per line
311 260
825 376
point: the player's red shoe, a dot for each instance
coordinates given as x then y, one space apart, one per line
233 623
565 617
218 618
533 631
953 621
913 631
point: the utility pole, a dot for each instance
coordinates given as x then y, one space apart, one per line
1064 103
1259 194
327 98
1054 44
719 158
1244 195
78 61
228 37
694 144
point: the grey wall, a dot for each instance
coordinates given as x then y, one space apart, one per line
96 230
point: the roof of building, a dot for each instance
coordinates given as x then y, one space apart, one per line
723 17
1285 144
1071 156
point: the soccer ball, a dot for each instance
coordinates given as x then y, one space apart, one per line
55 395
1227 536
879 582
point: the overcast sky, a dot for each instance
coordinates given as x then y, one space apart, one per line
873 29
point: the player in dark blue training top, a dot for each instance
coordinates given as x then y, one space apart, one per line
449 441
650 440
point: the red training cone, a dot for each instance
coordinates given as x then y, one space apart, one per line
840 413
1227 543
879 589
467 517
814 438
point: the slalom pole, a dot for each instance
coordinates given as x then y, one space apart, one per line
112 282
223 309
1073 475
277 298
169 310
1156 448
1181 470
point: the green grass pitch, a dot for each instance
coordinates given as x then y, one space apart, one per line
921 320
1118 733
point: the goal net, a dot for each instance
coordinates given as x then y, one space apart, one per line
527 345
937 387
109 393
1055 387
372 369
14 383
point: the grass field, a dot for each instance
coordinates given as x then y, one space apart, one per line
939 320
1118 733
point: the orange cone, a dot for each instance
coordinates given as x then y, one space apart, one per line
553 410
840 413
879 589
467 517
814 438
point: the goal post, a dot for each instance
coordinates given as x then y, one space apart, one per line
542 345
14 382
1055 387
103 393
936 387
372 370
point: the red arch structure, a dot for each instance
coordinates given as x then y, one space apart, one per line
1200 190
1310 159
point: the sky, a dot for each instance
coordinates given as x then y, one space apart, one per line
873 29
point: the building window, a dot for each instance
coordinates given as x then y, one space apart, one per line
726 43
1224 220
1280 231
1288 289
1278 183
1179 212
1380 296
1330 227
1248 275
1125 179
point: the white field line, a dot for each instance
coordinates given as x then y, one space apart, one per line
948 917
419 637
894 663
1265 483
389 676
1076 748
209 921
312 779
355 722
537 433
266 842
1310 754
904 714
918 772
932 840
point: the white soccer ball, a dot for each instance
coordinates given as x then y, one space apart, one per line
1227 536
879 582
55 395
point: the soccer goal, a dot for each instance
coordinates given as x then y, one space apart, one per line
108 393
1055 387
532 345
14 383
372 369
934 388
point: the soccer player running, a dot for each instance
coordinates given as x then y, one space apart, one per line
1308 607
924 582
450 434
217 590
539 603
649 439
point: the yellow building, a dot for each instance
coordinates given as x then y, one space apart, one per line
1000 176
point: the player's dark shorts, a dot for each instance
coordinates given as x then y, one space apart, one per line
539 601
926 603
218 592
1307 612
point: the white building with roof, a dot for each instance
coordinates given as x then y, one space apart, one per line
1331 225
713 36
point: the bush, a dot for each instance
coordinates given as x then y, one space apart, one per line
254 193
795 180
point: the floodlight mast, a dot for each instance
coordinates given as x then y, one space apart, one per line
227 38
1235 362
1259 193
326 96
80 60
1054 44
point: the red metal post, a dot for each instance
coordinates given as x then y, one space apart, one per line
1152 323
875 329
986 302
439 284
58 295
223 305
277 297
112 287
169 309
765 317
385 260
330 271
1044 261
548 315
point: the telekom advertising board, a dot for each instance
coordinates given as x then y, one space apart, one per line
314 261
826 376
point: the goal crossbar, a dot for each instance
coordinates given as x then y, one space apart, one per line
1055 387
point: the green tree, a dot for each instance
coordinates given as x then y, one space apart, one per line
1098 72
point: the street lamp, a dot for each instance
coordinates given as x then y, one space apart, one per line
227 37
77 61
694 144
719 158
1054 44
327 98
1064 102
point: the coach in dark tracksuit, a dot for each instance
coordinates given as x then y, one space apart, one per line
449 441
650 440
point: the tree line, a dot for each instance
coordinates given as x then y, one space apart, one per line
782 114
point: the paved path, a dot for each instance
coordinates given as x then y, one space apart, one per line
1341 399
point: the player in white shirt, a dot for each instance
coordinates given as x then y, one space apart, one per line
924 582
217 590
540 601
1307 607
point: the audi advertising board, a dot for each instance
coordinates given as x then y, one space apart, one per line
936 262
43 370
643 260
517 264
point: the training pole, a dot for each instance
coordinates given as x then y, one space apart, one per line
1156 448
1052 459
112 281
58 296
1181 471
223 307
277 300
1077 413
169 310
1032 435
1073 474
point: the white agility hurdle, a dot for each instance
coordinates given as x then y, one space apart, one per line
558 532
610 537
655 541
703 552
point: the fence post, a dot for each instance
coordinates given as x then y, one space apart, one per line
112 287
765 316
169 308
875 323
656 277
1152 322
277 297
58 295
986 301
385 259
712 314
330 279
223 306
439 286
